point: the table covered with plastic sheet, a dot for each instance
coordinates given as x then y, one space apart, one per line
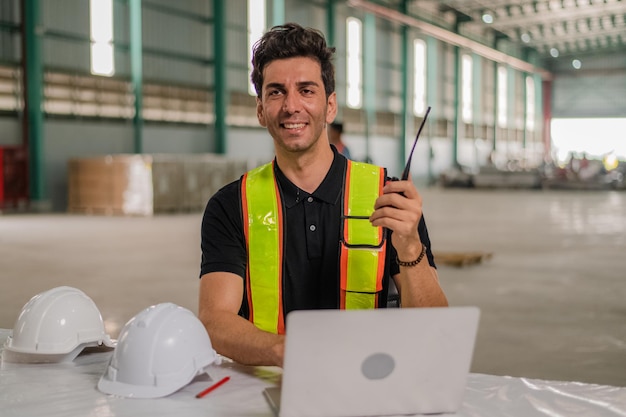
70 389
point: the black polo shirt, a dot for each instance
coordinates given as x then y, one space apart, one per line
311 245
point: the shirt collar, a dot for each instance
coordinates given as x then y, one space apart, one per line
329 191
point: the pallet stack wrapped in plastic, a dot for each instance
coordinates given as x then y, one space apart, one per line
204 175
167 181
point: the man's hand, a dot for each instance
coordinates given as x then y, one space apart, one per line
400 209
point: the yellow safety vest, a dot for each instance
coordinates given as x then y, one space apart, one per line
362 255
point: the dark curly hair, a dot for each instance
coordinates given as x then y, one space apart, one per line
288 41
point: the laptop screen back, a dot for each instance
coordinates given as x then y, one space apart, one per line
377 362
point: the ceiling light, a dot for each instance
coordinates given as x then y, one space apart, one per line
576 63
554 52
487 18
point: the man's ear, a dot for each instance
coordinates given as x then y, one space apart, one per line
260 114
331 107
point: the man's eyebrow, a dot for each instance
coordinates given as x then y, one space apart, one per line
299 84
275 85
307 84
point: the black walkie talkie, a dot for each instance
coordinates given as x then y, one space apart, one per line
407 167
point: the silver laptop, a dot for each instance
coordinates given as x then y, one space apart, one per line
347 363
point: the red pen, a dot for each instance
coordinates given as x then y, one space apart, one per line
212 387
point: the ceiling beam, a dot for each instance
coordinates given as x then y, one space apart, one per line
449 37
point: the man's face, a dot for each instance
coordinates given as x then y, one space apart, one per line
293 105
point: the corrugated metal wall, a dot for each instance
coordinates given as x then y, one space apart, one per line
597 89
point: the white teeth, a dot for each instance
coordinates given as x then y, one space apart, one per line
294 125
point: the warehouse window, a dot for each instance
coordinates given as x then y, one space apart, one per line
101 23
354 70
502 97
419 77
466 100
530 103
256 27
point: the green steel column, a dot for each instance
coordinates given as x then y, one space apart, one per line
456 104
495 106
221 90
538 132
278 12
546 116
510 93
405 98
33 105
510 108
526 55
477 90
369 78
330 22
477 97
458 77
525 111
136 69
495 93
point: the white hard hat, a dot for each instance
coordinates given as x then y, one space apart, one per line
55 326
159 351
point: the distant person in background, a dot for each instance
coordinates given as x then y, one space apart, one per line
335 130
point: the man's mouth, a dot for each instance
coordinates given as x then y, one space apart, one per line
294 125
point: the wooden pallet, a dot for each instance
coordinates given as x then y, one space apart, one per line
461 259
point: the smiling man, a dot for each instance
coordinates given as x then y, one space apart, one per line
309 230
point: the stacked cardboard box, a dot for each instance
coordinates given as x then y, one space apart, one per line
119 184
148 184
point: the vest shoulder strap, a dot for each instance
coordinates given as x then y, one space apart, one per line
263 229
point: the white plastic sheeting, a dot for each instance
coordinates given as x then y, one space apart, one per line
69 389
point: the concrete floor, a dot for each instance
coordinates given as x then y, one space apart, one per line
553 296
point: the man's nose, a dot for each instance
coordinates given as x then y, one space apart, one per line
291 103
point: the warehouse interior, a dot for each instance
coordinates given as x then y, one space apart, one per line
113 138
